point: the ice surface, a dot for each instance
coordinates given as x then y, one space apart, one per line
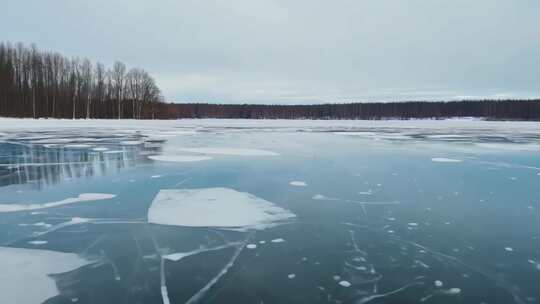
179 158
25 273
214 207
230 151
77 146
85 197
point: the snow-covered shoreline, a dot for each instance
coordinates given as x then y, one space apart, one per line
7 124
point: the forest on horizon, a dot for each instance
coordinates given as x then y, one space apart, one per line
45 84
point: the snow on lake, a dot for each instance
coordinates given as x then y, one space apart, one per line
273 211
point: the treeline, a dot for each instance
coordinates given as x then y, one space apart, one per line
489 109
36 83
42 84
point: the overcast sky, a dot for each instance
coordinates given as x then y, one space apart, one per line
299 51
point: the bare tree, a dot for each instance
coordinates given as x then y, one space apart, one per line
118 77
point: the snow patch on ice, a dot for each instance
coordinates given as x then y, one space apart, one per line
24 268
214 207
445 160
178 158
453 291
230 151
37 242
85 197
345 283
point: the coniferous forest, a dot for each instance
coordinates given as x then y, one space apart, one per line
44 84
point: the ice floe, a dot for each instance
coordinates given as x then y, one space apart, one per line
251 246
279 240
291 276
215 207
179 158
438 283
298 184
230 151
30 268
85 197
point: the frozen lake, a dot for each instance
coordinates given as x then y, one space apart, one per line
242 211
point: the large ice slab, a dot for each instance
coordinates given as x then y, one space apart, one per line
85 197
214 207
25 273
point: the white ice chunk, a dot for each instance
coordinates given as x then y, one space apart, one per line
291 276
453 291
445 160
280 240
37 242
298 183
214 207
100 149
319 197
251 246
179 158
438 283
85 197
230 151
509 249
345 283
30 268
